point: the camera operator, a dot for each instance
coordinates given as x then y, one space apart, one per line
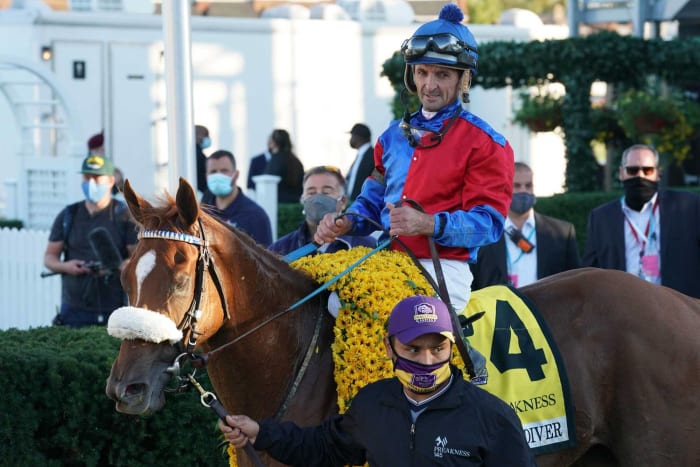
90 291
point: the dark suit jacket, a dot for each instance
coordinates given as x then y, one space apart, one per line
679 219
366 161
257 167
556 252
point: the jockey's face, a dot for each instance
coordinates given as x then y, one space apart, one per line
436 86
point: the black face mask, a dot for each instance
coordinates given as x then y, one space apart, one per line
639 191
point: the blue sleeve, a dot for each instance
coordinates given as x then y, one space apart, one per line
481 225
369 203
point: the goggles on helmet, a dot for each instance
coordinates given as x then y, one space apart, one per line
417 46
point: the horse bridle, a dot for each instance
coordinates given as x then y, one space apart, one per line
205 263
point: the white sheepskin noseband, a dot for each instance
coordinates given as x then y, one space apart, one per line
129 322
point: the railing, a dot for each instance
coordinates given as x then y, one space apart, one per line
26 300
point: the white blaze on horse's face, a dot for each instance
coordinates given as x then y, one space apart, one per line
130 322
143 268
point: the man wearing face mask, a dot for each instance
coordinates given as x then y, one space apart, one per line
532 246
324 192
652 234
426 415
226 201
89 293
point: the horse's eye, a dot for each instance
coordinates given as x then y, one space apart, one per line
179 258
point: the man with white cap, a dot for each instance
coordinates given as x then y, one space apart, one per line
426 415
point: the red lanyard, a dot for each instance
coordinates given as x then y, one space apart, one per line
642 243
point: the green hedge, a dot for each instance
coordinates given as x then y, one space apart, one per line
55 411
574 207
11 223
289 217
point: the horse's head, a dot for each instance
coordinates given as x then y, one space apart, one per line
169 279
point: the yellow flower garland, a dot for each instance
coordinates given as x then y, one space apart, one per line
367 294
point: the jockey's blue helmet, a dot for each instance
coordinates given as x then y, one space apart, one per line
444 41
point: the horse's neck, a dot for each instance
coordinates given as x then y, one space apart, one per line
259 369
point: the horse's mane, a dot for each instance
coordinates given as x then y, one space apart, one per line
163 214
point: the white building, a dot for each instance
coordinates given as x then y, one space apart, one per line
105 70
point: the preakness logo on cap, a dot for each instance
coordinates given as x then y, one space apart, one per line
424 313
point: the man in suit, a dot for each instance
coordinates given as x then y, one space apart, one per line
652 234
532 246
363 165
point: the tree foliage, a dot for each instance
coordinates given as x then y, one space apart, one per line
623 61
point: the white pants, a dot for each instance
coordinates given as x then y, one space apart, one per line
458 278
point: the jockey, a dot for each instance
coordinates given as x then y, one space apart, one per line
449 161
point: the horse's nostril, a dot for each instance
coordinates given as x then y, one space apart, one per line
133 389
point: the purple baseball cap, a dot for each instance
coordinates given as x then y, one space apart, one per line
416 316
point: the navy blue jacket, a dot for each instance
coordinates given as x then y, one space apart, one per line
465 426
244 214
300 237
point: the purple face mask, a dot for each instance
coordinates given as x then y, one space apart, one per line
421 378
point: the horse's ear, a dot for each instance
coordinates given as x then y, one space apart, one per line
135 203
187 206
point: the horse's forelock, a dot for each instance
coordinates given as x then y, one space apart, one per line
162 215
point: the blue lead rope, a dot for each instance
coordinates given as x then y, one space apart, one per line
381 246
300 252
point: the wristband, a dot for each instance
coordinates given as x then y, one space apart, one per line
441 219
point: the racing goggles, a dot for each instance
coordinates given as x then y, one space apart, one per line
415 47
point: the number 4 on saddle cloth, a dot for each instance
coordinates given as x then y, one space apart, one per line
522 366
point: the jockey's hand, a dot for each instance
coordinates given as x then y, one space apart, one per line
330 228
408 221
239 430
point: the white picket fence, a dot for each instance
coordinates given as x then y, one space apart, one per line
26 300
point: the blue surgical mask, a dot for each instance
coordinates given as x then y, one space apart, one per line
94 191
205 143
522 202
219 184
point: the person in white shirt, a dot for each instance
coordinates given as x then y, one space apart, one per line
652 234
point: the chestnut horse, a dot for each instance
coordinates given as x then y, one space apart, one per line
631 349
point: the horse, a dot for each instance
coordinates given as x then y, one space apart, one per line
630 348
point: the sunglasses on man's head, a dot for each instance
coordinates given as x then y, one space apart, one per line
633 170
